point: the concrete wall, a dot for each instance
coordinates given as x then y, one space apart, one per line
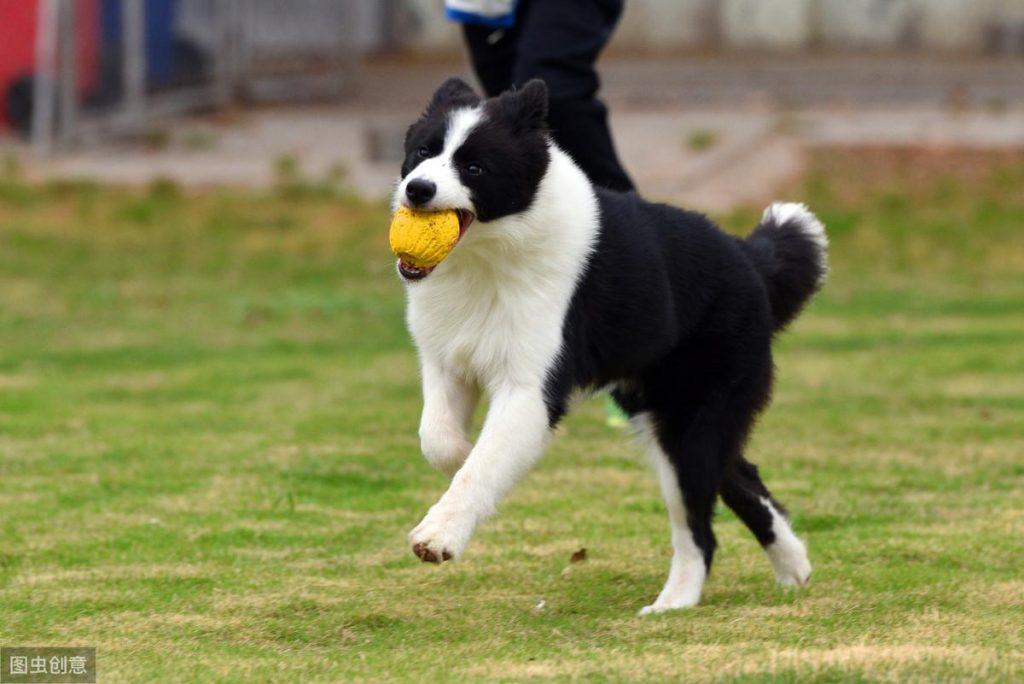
427 28
770 24
867 23
939 25
669 25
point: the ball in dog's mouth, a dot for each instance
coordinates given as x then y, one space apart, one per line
410 271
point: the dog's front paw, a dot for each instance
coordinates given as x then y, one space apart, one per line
441 536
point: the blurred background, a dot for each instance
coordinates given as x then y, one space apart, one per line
209 400
225 91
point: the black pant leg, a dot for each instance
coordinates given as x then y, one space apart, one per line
559 41
492 52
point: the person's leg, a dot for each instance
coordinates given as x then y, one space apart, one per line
492 52
559 41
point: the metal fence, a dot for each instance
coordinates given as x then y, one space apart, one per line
113 67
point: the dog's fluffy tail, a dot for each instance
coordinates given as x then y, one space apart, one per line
790 250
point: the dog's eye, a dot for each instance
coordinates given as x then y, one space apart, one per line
423 152
474 169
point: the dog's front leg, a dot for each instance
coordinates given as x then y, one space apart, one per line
448 403
511 441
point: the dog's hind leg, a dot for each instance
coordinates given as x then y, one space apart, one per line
701 413
745 493
690 499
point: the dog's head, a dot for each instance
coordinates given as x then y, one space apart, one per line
482 158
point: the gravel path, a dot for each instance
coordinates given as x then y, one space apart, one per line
708 133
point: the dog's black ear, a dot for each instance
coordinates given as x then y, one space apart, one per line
527 108
453 93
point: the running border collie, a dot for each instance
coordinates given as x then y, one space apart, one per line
558 287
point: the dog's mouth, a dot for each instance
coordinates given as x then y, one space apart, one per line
410 272
466 217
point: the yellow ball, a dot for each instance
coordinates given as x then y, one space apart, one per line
423 238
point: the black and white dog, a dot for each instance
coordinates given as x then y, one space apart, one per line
559 287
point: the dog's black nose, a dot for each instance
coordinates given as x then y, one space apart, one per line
420 191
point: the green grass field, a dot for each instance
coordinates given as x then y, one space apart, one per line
209 462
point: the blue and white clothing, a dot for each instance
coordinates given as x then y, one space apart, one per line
493 13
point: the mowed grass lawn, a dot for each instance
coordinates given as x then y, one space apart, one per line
209 461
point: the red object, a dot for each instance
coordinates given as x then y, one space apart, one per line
18 21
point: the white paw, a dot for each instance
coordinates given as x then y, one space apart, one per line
684 585
789 560
675 603
442 535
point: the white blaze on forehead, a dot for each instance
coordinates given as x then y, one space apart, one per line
440 170
461 123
